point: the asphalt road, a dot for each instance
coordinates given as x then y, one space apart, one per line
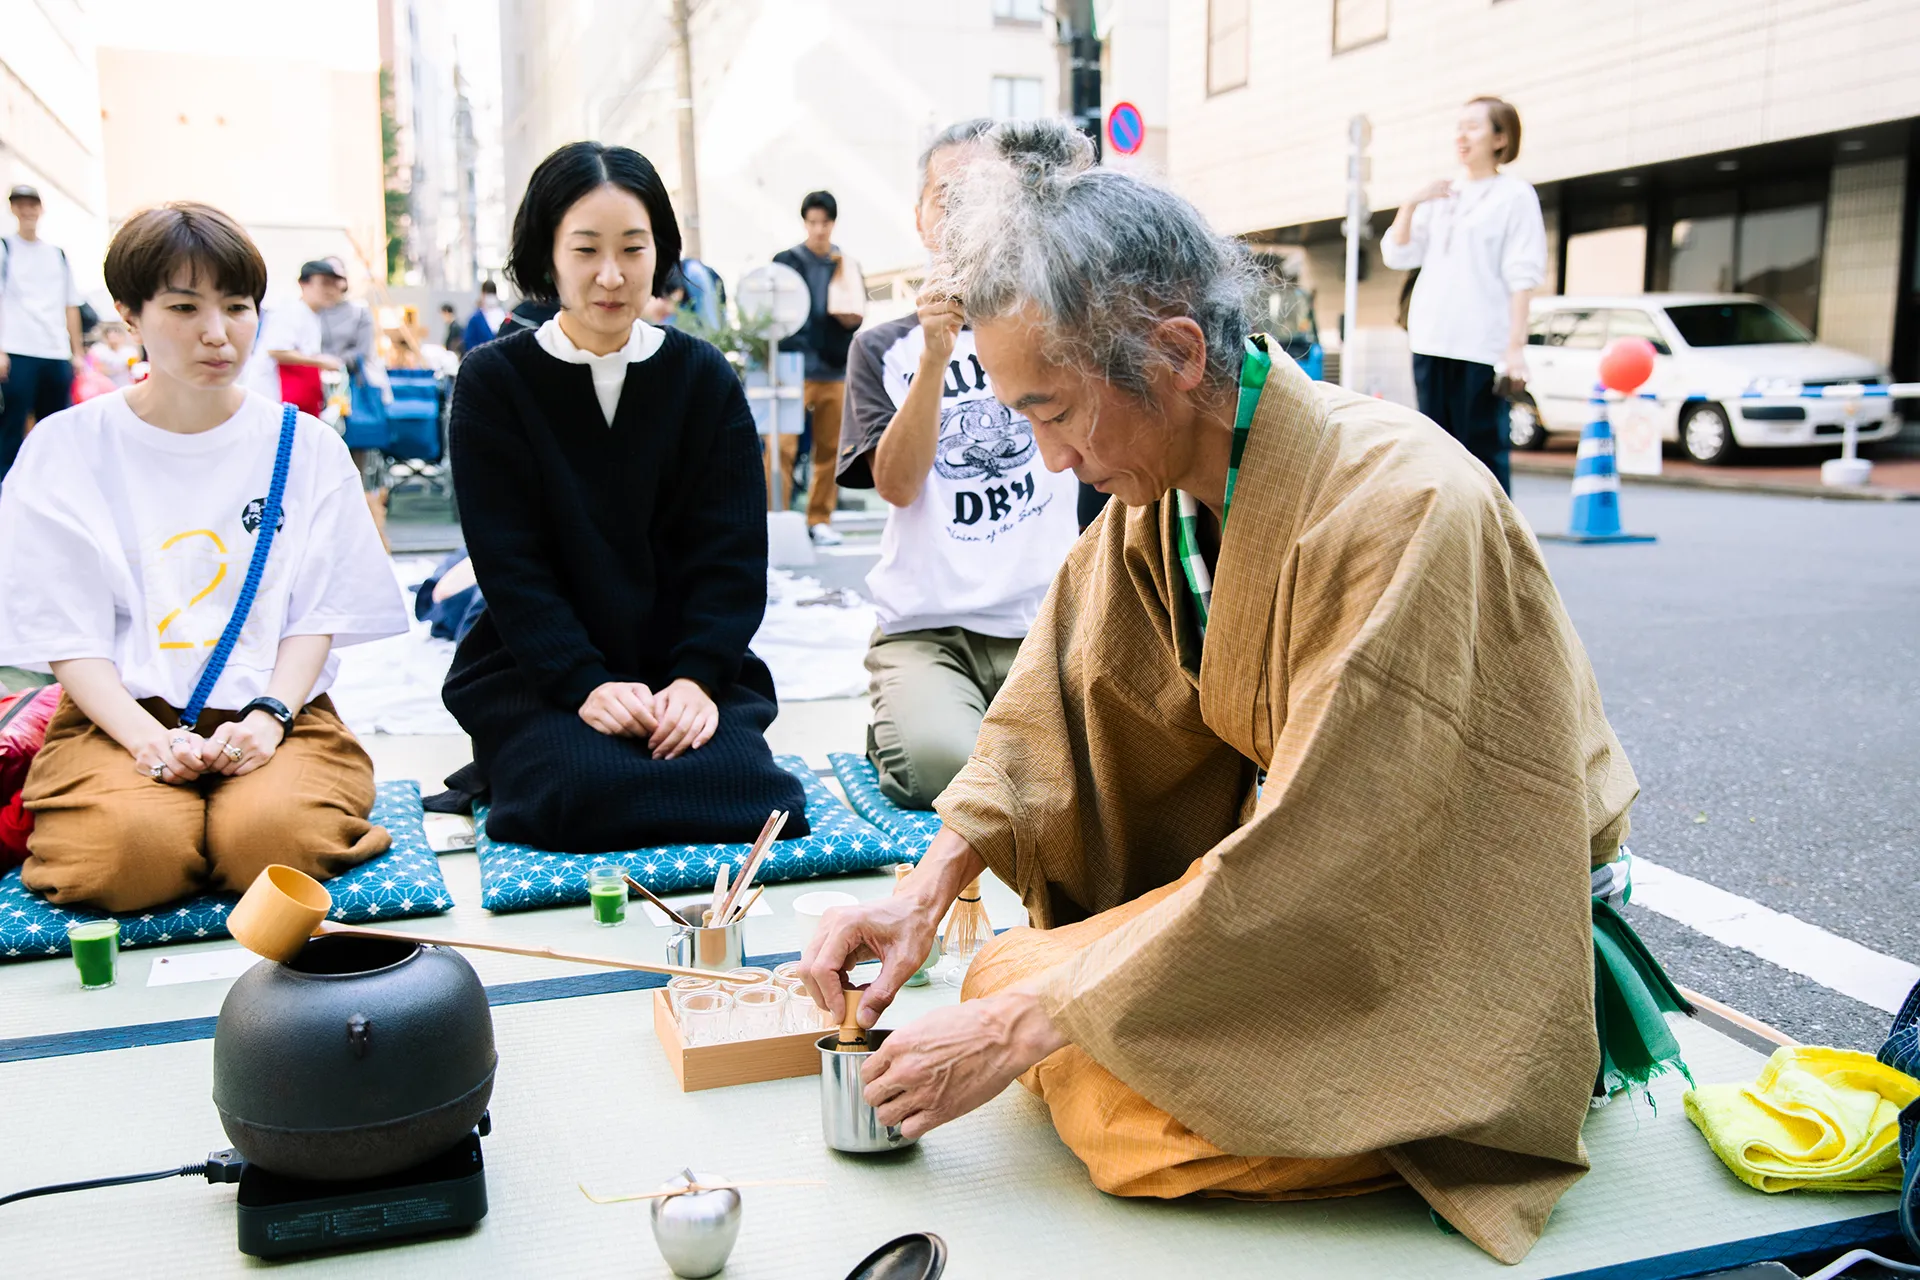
1761 665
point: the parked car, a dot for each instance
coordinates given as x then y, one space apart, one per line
1729 373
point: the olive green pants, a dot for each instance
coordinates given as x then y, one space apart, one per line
930 690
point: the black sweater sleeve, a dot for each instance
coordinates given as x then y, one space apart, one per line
502 517
717 537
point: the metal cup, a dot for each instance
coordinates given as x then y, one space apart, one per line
717 950
848 1122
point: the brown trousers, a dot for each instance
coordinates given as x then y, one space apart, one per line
106 836
825 401
1130 1146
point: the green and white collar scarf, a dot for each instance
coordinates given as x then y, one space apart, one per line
1253 376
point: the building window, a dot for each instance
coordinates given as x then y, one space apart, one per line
1226 45
1016 98
1358 22
1025 12
1765 238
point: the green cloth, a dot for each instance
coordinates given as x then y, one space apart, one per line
1254 366
1632 996
14 680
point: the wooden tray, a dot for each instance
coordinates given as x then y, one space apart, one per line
715 1066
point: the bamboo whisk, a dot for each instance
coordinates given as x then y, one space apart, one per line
967 924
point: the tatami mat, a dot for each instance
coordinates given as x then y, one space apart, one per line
584 1095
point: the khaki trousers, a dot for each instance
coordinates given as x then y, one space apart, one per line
105 836
930 690
825 401
1130 1146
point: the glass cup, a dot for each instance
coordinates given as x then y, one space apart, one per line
803 1015
678 989
791 969
706 1017
96 951
759 1012
607 891
761 977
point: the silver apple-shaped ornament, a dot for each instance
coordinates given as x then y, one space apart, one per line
696 1231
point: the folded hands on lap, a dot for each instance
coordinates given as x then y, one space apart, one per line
679 718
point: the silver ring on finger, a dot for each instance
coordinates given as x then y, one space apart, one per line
234 753
157 771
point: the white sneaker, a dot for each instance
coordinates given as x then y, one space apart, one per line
823 535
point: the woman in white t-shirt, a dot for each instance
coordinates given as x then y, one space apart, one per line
1481 247
126 530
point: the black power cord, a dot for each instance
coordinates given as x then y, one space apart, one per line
221 1166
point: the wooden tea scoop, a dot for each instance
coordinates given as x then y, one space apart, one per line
649 895
748 869
851 1034
284 907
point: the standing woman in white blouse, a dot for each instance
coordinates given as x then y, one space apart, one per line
1481 247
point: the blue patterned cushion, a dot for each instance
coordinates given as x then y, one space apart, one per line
404 881
517 877
911 828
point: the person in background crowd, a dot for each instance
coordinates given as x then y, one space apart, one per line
40 347
1481 247
610 490
665 305
483 326
287 356
706 292
976 523
115 354
347 334
124 544
454 341
825 339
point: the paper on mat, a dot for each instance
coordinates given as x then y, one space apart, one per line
656 916
204 966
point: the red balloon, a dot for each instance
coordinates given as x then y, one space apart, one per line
1626 364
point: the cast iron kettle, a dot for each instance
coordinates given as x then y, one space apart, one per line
357 1058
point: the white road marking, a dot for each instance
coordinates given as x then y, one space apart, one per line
1787 941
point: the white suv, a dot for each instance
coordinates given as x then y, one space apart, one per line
1728 372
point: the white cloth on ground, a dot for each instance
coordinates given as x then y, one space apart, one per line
120 540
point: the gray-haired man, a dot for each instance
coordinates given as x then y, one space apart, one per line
976 524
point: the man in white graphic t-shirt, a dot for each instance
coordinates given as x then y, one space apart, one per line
976 524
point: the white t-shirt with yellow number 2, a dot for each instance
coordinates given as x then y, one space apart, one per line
121 540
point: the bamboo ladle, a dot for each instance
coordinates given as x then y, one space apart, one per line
284 907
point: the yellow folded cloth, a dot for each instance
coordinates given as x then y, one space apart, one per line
1820 1119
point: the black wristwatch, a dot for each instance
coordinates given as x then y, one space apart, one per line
273 707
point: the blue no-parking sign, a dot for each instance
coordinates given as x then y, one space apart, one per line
1126 130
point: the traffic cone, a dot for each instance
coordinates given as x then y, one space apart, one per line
1596 485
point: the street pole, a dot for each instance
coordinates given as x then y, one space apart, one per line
689 172
1359 134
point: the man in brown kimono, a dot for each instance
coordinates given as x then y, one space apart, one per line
1371 965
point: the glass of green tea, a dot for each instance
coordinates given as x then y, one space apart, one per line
96 951
607 890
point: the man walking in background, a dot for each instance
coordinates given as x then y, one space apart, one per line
839 304
39 326
483 326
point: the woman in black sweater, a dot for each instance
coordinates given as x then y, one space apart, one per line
610 492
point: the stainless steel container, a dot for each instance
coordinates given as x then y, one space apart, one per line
717 950
848 1123
696 1232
